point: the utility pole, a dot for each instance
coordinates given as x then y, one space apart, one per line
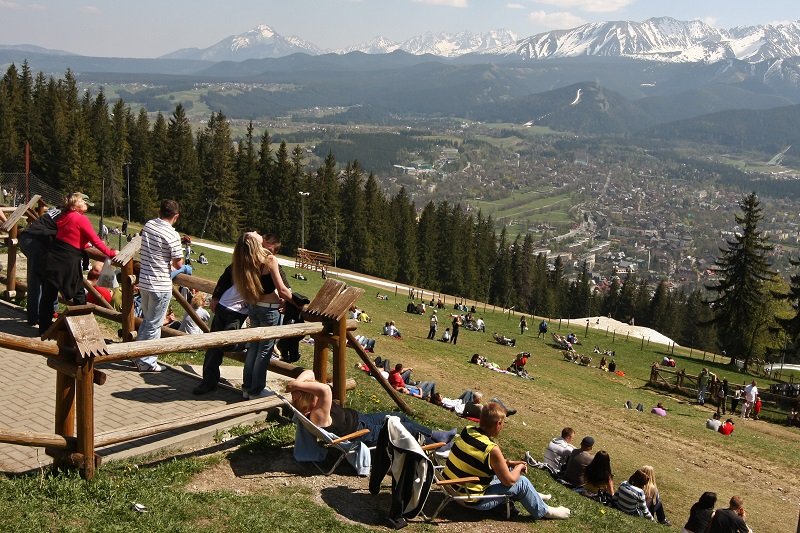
211 203
303 195
128 174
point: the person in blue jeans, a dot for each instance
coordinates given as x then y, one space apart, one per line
257 277
475 453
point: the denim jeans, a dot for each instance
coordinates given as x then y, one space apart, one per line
259 353
224 320
154 309
374 422
521 491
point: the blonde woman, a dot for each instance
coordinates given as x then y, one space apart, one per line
198 304
257 278
652 497
63 271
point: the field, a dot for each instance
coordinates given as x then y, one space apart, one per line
255 486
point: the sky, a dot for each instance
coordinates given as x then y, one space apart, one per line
151 28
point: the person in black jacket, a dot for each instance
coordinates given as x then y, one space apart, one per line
34 242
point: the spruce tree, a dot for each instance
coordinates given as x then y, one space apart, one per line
247 190
178 181
353 216
216 157
739 292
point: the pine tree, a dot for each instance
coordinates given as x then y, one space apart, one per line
740 292
384 255
179 178
144 195
354 218
426 250
323 200
247 191
216 158
402 213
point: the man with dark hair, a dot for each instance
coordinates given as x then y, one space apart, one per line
160 252
475 453
730 520
579 459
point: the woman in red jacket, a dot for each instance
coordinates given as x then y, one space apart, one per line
63 272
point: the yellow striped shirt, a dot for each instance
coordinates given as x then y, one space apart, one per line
470 457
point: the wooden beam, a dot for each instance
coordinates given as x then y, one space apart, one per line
29 438
97 296
189 309
185 343
73 370
29 345
84 395
195 282
377 374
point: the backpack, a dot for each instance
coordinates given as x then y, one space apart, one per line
39 234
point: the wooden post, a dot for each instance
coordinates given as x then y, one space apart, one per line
321 357
339 363
128 279
11 281
85 418
614 337
642 348
65 411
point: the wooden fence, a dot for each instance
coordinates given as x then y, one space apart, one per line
775 407
79 346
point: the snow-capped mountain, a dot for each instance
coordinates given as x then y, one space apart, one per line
662 39
260 42
439 44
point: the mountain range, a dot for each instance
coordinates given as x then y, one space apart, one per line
661 39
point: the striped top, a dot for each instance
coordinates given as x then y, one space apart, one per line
160 245
469 456
631 500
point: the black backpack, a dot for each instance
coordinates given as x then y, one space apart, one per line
39 234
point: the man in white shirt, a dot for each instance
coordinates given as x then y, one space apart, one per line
160 252
559 449
750 393
714 423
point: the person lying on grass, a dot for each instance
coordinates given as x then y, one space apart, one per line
315 401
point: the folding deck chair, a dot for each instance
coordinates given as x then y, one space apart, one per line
308 435
451 492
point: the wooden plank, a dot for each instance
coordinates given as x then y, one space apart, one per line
342 302
96 294
19 212
87 335
328 292
128 252
73 370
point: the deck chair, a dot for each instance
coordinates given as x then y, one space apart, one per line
312 444
451 492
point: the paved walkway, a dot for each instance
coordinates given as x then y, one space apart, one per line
128 398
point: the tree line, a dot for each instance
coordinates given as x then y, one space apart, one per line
79 140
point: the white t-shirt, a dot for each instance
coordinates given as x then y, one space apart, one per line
713 423
557 452
750 393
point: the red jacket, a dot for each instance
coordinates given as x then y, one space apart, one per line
75 229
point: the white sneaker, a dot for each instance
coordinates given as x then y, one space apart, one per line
545 497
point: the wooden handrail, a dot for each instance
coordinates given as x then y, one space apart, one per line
185 343
19 212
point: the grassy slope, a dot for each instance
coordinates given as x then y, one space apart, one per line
759 462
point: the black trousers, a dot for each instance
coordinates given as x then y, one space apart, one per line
224 320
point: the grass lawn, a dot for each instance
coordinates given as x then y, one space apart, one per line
758 462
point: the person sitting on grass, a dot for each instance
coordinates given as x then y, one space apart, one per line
446 335
391 330
727 428
714 422
659 410
700 514
315 401
630 497
599 478
652 496
476 453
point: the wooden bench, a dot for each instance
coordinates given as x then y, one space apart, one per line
311 260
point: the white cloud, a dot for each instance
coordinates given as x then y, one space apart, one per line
559 20
592 6
90 10
515 6
711 21
446 3
5 4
